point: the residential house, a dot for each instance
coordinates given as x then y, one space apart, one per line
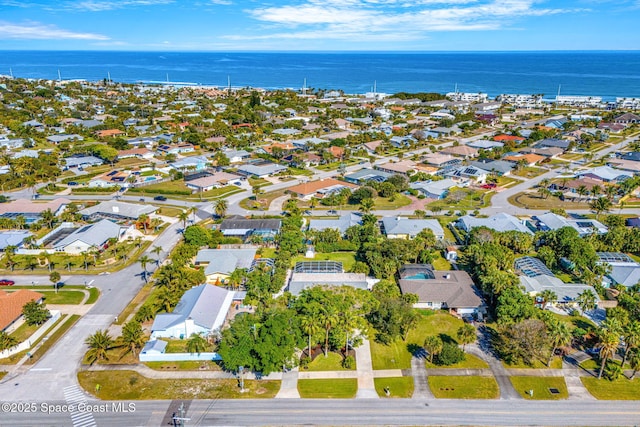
201 310
535 278
56 139
498 222
113 178
605 174
191 164
398 227
485 144
402 167
402 141
363 175
32 211
115 210
371 146
341 224
286 132
323 273
584 226
261 170
435 189
528 159
214 180
497 167
175 149
236 156
109 133
320 189
81 161
550 152
463 174
307 144
622 269
442 290
139 153
464 151
625 165
11 304
238 226
439 160
551 142
281 147
220 263
13 238
336 152
627 118
89 236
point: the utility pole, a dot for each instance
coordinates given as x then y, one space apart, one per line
178 421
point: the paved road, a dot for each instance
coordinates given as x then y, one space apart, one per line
262 412
57 368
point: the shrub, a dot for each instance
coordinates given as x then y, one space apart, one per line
450 355
349 362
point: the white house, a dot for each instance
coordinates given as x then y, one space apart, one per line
201 310
89 236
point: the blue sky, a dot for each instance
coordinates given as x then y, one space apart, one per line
378 25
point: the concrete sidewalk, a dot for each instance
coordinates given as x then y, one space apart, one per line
364 366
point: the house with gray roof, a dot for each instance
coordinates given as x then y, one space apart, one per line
584 226
220 263
12 238
552 142
434 189
201 310
364 175
438 290
341 224
398 227
498 222
239 226
605 174
485 144
89 236
56 139
622 269
82 161
308 274
499 167
261 170
115 210
466 173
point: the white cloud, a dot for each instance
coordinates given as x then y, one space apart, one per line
101 6
36 30
390 19
221 2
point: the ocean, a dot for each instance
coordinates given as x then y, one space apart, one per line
608 74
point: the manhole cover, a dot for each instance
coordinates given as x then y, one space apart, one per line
554 391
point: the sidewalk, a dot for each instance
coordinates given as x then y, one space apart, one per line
366 386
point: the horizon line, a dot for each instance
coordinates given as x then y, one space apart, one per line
354 51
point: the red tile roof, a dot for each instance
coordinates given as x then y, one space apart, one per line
11 305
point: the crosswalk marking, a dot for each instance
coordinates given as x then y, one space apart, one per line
73 395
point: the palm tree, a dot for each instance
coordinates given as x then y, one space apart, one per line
196 344
433 344
548 296
184 217
634 361
586 300
631 333
310 327
609 341
144 260
601 204
193 210
48 217
328 317
611 192
157 250
366 205
582 191
143 219
560 336
132 336
99 343
236 277
220 207
7 341
466 334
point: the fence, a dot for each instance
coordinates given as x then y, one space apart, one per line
179 357
25 345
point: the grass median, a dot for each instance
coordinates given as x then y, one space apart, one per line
464 387
333 388
399 387
540 388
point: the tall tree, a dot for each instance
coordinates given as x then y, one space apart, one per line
609 340
559 335
99 344
7 341
196 344
220 207
466 334
132 337
631 333
433 345
144 260
586 300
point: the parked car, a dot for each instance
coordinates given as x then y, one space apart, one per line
72 183
142 199
160 198
5 282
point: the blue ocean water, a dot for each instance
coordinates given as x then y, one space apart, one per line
608 74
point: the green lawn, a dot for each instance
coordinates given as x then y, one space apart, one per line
2 374
346 258
529 172
399 387
439 263
62 297
590 365
269 252
465 199
94 294
333 362
383 203
258 182
185 365
621 389
180 346
540 387
129 385
534 201
470 362
334 388
163 188
397 355
24 331
464 387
